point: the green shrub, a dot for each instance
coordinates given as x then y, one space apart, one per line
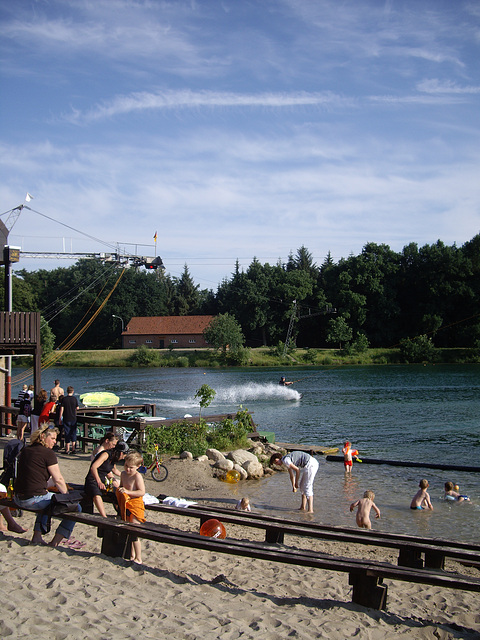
418 349
310 356
238 357
144 357
197 437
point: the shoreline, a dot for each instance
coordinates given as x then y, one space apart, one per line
182 592
259 357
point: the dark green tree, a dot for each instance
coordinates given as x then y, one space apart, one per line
339 331
224 333
186 297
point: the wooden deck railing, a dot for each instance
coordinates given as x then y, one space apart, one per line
20 330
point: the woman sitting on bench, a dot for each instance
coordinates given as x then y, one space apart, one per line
36 464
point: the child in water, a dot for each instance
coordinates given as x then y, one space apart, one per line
451 493
365 505
130 498
348 454
243 505
421 500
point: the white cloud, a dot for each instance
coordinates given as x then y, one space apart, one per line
209 99
436 86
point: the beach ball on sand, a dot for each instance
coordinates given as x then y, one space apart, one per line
213 529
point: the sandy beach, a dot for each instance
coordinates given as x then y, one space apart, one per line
187 593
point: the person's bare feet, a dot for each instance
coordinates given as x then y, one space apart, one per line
16 528
55 541
37 539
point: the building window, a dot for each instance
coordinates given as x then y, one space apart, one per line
132 342
148 341
192 341
173 341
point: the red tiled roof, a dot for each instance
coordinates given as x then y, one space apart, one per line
169 325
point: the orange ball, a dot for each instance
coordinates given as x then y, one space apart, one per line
213 529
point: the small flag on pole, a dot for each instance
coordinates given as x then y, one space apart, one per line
155 237
28 197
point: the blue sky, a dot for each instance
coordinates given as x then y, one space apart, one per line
239 128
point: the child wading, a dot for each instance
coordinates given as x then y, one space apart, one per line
421 500
365 505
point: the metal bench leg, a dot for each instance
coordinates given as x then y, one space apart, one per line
368 591
410 558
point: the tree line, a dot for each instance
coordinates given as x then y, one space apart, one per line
377 298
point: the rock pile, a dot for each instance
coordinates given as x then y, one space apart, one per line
251 463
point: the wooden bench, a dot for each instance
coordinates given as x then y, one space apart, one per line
414 551
365 576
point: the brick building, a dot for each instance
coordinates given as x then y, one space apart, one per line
164 332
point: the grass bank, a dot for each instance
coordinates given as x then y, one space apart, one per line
259 357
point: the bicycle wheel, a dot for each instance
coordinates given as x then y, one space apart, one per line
159 472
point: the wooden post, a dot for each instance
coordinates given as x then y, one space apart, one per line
116 544
274 535
410 557
434 560
368 591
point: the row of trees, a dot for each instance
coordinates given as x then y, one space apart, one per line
376 298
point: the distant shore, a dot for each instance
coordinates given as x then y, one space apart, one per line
257 357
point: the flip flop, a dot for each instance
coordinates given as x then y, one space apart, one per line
76 544
68 541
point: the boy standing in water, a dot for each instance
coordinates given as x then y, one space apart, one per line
365 505
421 500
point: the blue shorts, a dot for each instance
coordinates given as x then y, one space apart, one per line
70 432
415 508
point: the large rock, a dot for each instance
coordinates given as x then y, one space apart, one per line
253 468
241 471
224 465
215 455
240 456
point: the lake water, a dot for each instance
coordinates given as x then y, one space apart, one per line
411 413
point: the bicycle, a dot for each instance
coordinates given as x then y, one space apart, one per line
158 470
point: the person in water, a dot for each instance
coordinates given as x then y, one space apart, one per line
283 382
302 468
348 455
451 494
421 500
364 506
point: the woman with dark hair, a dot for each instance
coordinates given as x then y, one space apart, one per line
38 463
108 441
103 466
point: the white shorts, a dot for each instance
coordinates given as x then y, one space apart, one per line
308 476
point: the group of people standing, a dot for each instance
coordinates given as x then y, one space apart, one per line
61 409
